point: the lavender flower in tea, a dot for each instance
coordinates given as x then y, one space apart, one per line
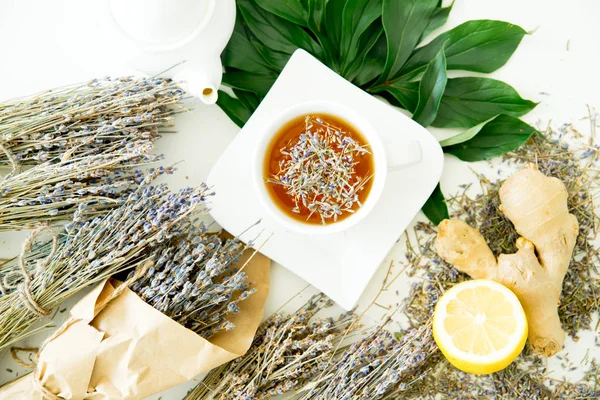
318 169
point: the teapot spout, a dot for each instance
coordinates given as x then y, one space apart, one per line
209 94
201 81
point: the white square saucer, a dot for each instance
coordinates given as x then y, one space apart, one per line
341 264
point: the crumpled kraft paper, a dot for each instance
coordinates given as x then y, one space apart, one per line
129 350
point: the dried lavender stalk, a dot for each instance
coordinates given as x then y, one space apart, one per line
377 367
97 117
52 192
288 351
96 249
194 282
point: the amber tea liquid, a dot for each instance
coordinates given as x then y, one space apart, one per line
287 136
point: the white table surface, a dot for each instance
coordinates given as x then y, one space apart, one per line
557 65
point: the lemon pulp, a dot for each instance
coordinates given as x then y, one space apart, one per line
480 326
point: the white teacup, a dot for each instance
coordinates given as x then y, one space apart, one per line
400 154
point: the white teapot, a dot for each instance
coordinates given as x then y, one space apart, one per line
159 34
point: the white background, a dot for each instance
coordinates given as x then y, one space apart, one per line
44 44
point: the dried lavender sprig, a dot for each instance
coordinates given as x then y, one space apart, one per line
319 171
377 367
97 248
194 282
288 351
51 192
587 388
96 117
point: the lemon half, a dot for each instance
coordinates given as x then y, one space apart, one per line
480 326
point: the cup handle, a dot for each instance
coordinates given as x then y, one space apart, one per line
403 155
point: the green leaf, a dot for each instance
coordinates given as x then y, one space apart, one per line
316 11
248 99
435 208
259 84
367 42
241 54
469 101
292 10
431 90
334 10
357 17
316 21
275 59
478 45
333 24
404 94
275 32
404 23
373 63
465 135
234 108
496 137
438 18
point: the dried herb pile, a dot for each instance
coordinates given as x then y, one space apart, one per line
288 352
79 168
573 158
379 366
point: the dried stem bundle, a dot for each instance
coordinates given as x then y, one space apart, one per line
52 192
194 282
288 352
377 367
567 155
96 248
97 117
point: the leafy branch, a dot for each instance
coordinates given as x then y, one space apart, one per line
376 44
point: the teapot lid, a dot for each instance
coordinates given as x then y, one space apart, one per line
161 25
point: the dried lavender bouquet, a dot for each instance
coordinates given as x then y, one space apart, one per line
95 249
96 117
288 351
51 192
194 282
379 366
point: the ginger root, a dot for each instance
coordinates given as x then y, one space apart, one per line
537 207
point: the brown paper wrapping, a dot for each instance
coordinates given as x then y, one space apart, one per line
129 350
